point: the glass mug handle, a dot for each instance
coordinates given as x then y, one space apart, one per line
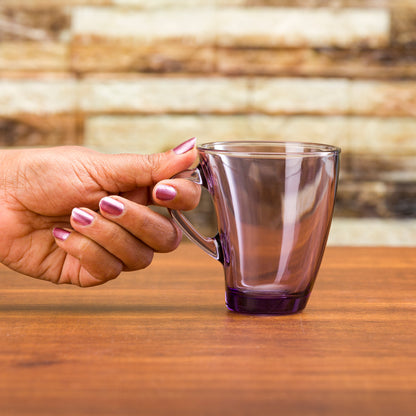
210 245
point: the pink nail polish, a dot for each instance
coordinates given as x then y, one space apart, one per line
185 146
60 234
81 217
165 192
111 206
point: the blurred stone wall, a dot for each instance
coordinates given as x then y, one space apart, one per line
144 75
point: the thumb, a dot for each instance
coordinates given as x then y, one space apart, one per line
125 172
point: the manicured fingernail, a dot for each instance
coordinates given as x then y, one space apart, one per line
81 217
111 206
60 233
185 146
165 192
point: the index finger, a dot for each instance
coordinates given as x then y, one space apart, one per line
179 194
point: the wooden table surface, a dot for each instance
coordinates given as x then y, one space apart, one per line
161 342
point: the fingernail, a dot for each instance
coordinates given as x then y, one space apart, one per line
165 192
81 217
185 146
111 206
60 233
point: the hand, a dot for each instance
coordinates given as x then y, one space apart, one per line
43 236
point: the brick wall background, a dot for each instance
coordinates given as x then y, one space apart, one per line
144 75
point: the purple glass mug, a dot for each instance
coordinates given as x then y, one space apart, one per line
274 203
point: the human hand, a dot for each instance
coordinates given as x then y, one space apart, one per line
43 236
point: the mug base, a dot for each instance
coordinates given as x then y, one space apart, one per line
271 304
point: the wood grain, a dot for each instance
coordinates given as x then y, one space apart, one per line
161 342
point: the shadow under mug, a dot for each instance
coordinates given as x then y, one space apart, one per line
274 203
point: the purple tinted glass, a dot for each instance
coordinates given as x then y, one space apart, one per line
274 203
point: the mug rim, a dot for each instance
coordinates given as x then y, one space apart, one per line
298 148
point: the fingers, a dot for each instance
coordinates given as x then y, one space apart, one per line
120 243
97 265
150 228
122 236
126 172
177 194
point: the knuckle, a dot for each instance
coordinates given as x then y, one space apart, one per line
152 165
110 271
172 240
142 220
99 265
146 259
84 249
114 271
141 261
